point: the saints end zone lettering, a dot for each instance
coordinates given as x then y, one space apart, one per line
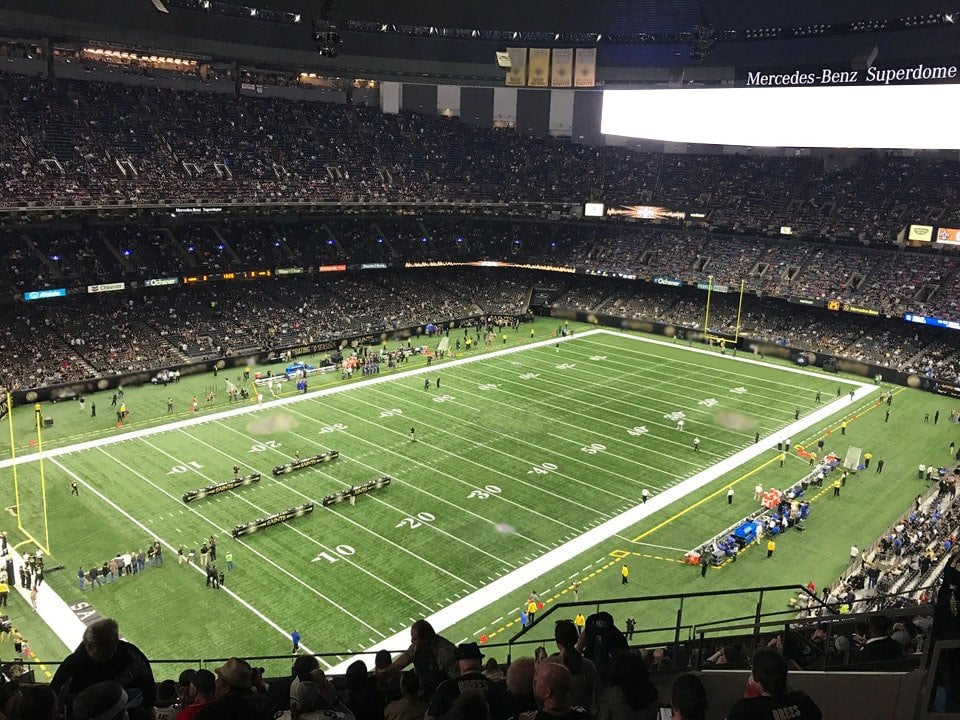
805 77
85 612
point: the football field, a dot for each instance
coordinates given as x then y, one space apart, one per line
507 470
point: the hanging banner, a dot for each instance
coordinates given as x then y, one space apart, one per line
562 75
538 72
517 74
586 75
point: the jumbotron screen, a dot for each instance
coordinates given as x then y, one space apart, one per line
883 116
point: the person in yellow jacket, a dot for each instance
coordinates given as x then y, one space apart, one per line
531 610
580 622
836 488
624 575
771 546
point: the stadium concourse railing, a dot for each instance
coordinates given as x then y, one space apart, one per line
540 632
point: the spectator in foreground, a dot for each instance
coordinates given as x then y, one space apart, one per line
585 680
879 646
202 687
104 656
471 677
232 699
688 698
551 686
315 699
520 698
602 642
106 701
767 694
409 706
632 696
36 702
166 707
433 657
277 697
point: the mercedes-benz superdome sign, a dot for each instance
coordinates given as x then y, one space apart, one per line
829 116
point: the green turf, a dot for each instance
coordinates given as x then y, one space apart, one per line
514 455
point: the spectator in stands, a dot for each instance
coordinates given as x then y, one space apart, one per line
585 680
688 698
409 706
433 657
361 693
202 688
520 697
183 687
108 700
632 696
879 646
767 695
166 707
277 697
471 677
35 702
315 699
551 687
104 656
232 699
602 642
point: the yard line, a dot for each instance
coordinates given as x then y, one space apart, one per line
691 380
523 576
341 515
296 530
396 479
591 466
631 417
252 409
260 555
631 445
523 461
173 549
440 472
628 378
728 358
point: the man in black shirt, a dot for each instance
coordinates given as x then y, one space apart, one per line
771 700
104 656
470 663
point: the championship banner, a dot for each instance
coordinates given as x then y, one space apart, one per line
538 71
562 74
517 74
586 74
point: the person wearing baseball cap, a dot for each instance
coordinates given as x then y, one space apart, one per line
232 698
471 678
105 701
315 698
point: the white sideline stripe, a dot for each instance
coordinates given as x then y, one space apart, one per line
246 409
51 608
523 576
70 626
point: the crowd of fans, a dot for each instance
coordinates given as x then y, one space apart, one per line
593 675
69 140
88 336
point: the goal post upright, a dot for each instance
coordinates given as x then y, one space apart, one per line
736 336
43 480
